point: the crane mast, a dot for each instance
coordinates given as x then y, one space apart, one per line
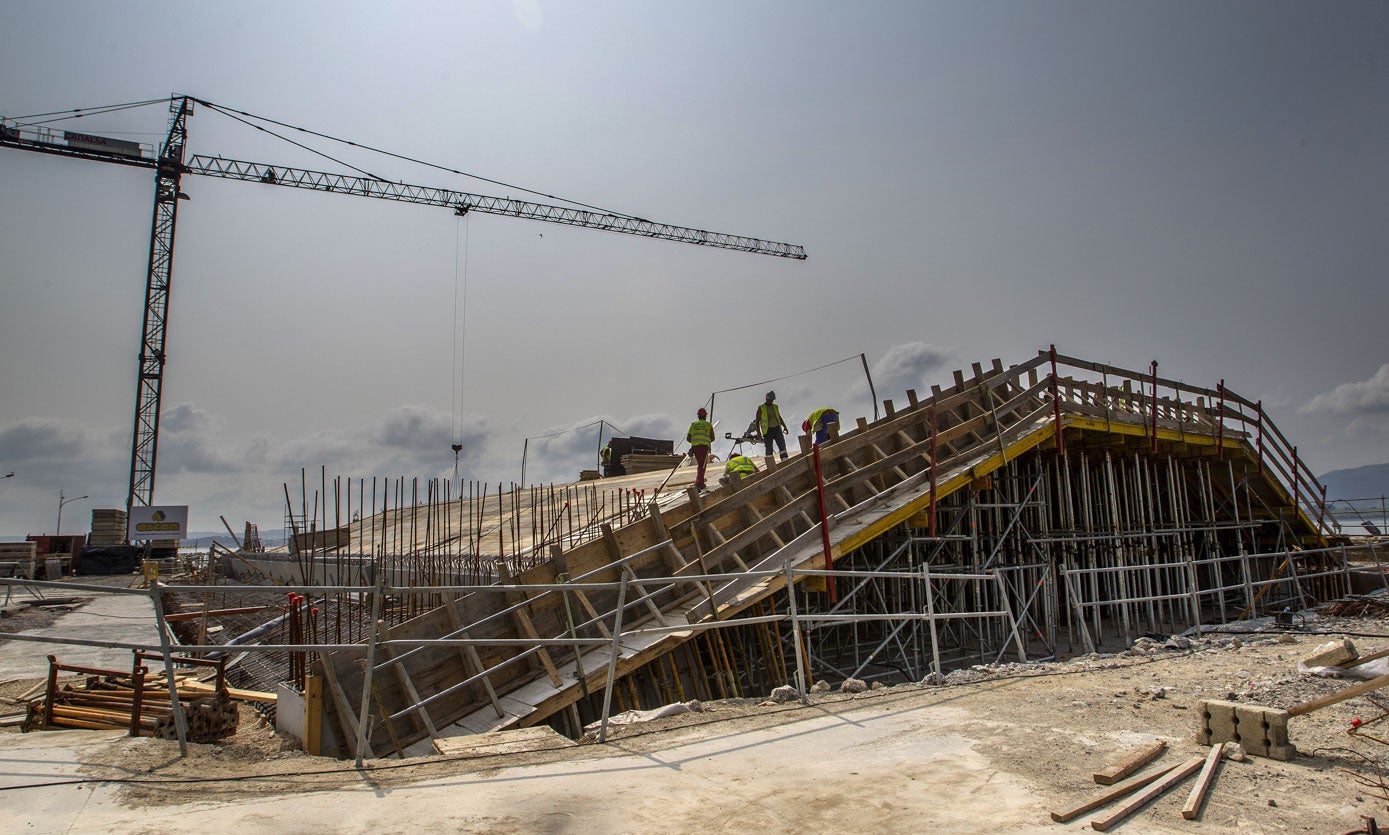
149 385
170 165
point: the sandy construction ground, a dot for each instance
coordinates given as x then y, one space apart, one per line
995 750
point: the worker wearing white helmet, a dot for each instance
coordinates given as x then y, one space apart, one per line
771 425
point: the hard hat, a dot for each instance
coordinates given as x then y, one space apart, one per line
701 412
771 395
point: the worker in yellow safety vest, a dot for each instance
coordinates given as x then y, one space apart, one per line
700 436
607 460
771 426
823 424
739 466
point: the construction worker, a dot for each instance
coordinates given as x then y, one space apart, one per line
607 457
700 436
771 426
823 424
738 466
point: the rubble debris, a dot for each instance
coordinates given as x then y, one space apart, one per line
853 685
631 717
1331 654
784 693
1359 605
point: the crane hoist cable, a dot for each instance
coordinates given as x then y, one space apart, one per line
227 111
460 330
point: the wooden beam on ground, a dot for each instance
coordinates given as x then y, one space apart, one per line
1174 777
1203 782
1130 763
1113 794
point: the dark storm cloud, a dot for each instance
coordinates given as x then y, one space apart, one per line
46 452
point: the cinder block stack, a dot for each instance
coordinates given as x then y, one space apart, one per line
108 527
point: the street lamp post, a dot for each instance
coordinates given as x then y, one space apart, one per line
58 529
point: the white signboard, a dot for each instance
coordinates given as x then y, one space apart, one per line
158 522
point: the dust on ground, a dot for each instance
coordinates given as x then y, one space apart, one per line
37 614
1049 725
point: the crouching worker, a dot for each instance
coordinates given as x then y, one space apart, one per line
823 425
738 466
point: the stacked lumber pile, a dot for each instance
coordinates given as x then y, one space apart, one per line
646 463
108 528
134 701
19 558
1358 606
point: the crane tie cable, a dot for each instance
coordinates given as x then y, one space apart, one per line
228 111
79 112
361 171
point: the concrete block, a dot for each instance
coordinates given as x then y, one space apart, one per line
1332 654
1263 731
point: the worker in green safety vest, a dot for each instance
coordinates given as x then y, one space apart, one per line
607 456
700 436
739 466
771 426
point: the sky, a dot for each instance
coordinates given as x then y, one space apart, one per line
1200 183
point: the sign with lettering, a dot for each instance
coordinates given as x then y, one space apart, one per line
157 522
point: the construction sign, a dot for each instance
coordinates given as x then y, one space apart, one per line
157 522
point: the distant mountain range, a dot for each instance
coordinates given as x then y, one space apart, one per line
1369 481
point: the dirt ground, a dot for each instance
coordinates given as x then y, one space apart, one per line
1030 738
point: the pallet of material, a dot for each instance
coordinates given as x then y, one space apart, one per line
647 463
133 701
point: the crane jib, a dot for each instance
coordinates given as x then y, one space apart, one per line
463 202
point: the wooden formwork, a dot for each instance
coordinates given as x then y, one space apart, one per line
876 476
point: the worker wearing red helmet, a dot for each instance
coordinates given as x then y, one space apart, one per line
700 436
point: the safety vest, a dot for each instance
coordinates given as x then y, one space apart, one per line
607 454
768 415
701 433
816 415
740 464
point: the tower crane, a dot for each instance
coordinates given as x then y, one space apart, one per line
170 164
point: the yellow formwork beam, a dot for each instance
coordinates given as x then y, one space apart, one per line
1023 445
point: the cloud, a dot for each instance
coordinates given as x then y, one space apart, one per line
408 439
1357 399
53 452
191 440
561 456
907 366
